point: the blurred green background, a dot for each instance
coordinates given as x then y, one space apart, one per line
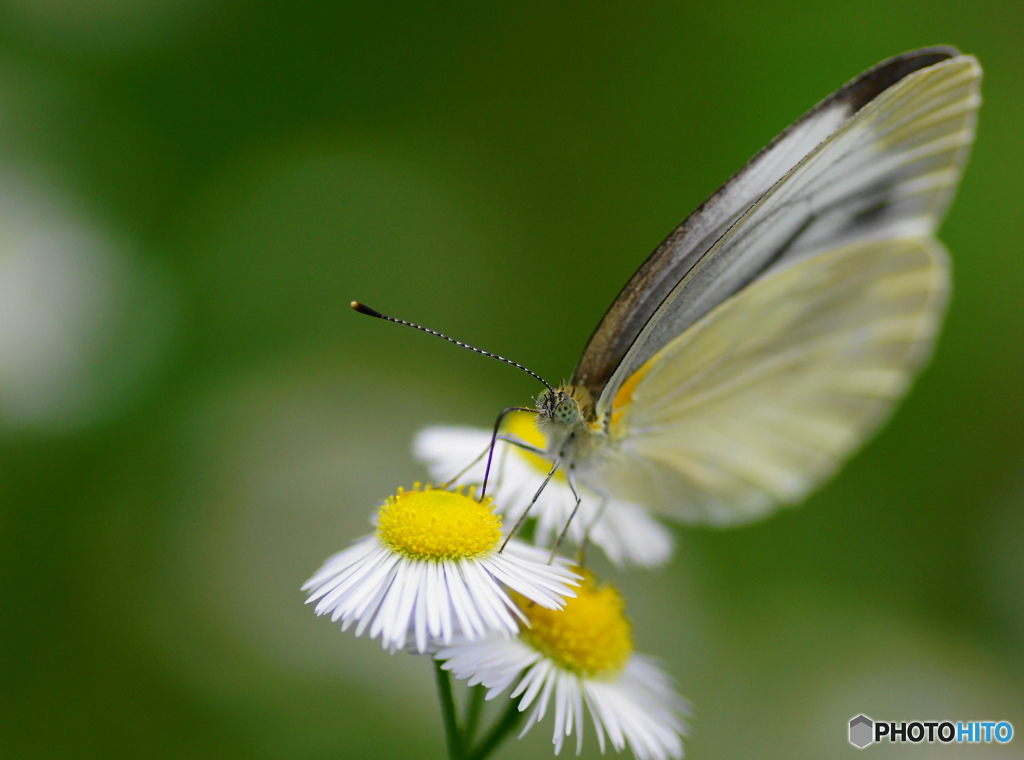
192 419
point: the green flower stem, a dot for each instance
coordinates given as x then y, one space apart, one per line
451 726
504 726
474 709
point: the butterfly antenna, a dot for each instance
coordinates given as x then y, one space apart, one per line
364 309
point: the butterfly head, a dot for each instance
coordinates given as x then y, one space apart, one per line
562 411
558 406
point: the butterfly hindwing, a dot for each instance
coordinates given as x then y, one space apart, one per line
763 398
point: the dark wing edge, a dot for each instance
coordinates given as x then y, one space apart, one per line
672 260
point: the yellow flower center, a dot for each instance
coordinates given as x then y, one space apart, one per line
590 636
523 425
434 524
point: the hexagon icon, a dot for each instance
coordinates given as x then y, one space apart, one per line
862 730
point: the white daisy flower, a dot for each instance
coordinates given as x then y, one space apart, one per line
581 655
433 569
626 532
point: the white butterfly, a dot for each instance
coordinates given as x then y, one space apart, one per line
775 328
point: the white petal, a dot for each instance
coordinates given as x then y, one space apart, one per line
398 599
626 532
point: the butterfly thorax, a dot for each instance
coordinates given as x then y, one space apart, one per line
566 418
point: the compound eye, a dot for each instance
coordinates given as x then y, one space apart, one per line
566 412
544 398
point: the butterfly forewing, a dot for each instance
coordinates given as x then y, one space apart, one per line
888 172
677 254
765 396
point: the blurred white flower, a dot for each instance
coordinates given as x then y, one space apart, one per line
80 322
626 532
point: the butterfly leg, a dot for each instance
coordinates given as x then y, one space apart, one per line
476 460
455 478
585 542
522 517
505 454
561 536
494 440
524 446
